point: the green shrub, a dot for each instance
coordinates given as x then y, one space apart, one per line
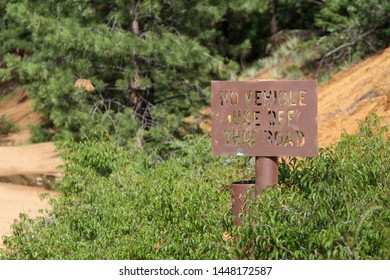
334 206
39 133
7 126
175 204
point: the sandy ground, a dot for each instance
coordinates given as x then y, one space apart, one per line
18 108
351 95
31 160
23 161
15 199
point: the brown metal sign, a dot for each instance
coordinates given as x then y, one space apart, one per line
264 118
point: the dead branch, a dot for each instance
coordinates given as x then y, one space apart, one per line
334 51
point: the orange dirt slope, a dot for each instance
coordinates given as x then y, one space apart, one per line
351 95
16 106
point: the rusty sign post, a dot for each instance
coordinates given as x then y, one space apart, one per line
265 119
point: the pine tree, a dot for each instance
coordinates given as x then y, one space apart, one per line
132 68
352 29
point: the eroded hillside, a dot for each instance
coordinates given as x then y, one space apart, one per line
351 95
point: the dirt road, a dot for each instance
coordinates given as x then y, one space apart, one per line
15 199
31 159
29 165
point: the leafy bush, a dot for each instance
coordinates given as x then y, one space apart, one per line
40 133
7 126
132 205
175 204
334 206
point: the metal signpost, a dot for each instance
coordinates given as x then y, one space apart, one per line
265 119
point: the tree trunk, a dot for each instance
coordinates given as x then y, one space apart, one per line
140 100
274 20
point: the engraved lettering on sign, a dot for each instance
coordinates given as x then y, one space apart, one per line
246 118
268 118
275 98
240 137
292 138
256 118
271 118
302 94
229 97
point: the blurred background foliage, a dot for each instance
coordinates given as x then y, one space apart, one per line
151 62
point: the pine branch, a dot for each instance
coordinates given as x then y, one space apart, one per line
342 47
